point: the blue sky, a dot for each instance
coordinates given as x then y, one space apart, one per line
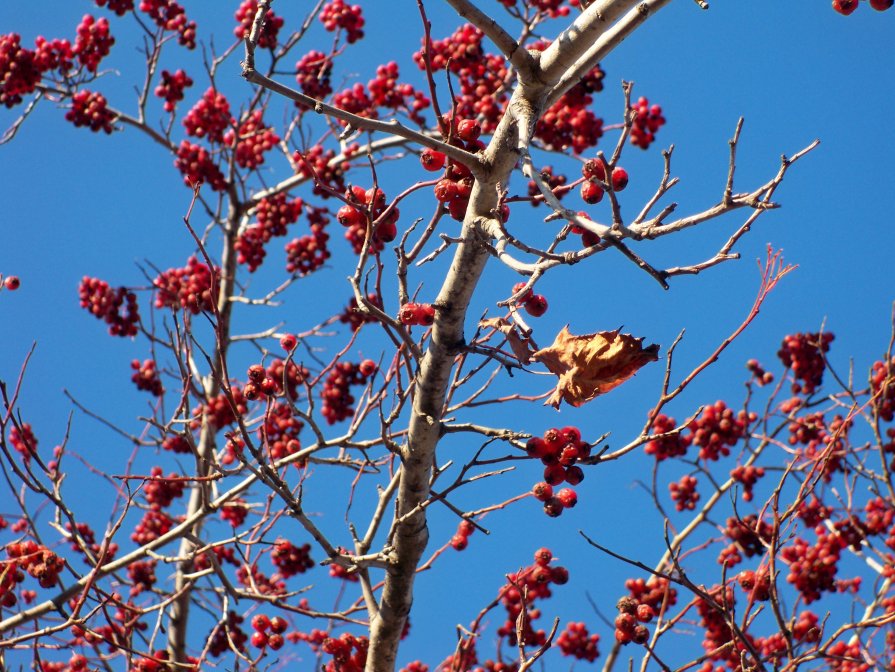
77 204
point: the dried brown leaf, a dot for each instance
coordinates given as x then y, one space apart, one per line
519 345
592 364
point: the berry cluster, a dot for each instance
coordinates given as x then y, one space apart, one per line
210 117
882 383
274 215
22 439
756 584
218 412
120 7
19 71
161 491
717 429
356 318
226 635
370 208
171 88
555 182
577 642
386 91
749 536
53 54
280 432
107 304
287 376
648 120
337 397
720 642
169 15
90 109
198 167
146 377
349 653
646 599
38 561
337 571
460 540
312 73
141 574
804 355
291 560
846 7
176 444
481 76
268 631
417 314
88 543
825 446
522 590
569 123
337 15
306 254
153 525
534 304
93 42
235 512
748 477
812 569
683 493
594 172
558 450
191 287
245 15
319 165
252 140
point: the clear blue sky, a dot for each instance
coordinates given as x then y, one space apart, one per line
76 203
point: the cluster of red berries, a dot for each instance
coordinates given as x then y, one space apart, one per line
55 54
417 314
718 428
719 641
120 7
141 575
355 318
209 117
748 477
280 432
93 42
260 384
386 91
268 631
570 123
760 376
645 600
312 72
522 590
306 254
556 182
191 287
370 206
235 512
198 167
846 7
146 377
176 444
577 642
171 88
228 634
160 491
756 584
356 101
337 571
290 559
882 383
318 164
22 439
88 543
245 15
287 375
117 307
38 561
252 139
594 172
337 15
169 15
460 540
683 493
534 304
813 568
274 215
349 653
748 535
19 74
804 355
258 582
481 76
648 120
337 398
153 525
558 450
90 109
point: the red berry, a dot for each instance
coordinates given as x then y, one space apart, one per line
278 625
446 190
276 641
12 283
408 313
553 507
645 613
594 169
574 475
881 5
459 542
554 474
542 491
845 7
260 622
536 447
424 314
591 193
432 160
518 288
289 342
543 556
536 305
568 497
367 368
468 130
559 575
619 179
259 640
